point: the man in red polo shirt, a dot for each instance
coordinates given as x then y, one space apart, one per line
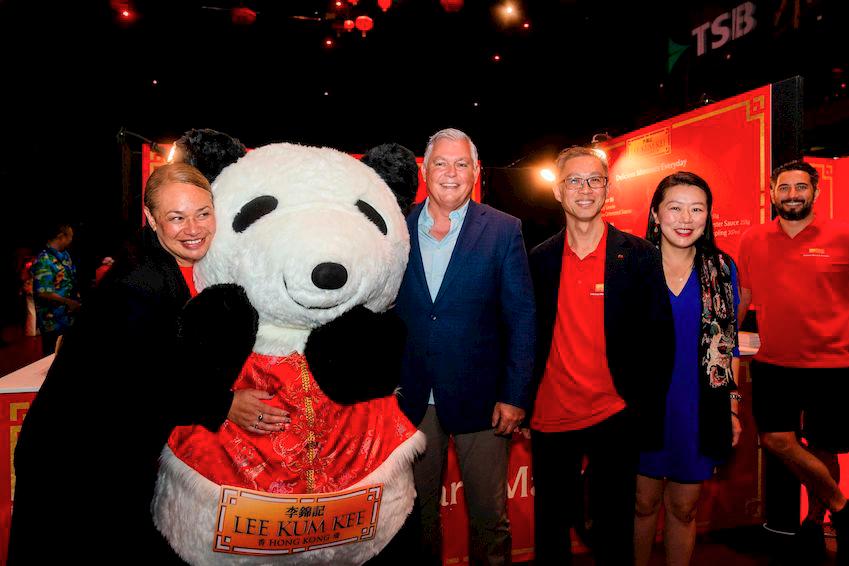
604 360
796 270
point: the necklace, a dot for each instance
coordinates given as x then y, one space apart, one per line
675 277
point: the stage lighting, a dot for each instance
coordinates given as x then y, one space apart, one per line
548 175
509 12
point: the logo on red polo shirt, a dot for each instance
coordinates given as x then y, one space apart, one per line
816 252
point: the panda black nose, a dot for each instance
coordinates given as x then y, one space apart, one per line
329 276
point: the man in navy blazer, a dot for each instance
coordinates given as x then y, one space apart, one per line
468 305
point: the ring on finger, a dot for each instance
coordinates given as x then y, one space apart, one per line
259 418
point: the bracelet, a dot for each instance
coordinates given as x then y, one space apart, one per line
733 414
735 395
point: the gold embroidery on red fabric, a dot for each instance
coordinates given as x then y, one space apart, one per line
310 413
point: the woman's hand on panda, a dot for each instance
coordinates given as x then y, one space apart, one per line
250 412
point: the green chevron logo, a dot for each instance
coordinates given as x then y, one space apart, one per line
674 52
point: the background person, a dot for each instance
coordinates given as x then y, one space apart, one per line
55 289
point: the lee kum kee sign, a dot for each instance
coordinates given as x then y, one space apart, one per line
260 524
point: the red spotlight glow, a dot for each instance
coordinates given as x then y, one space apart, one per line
452 5
328 42
496 58
125 13
526 25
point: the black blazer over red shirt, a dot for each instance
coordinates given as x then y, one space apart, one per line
638 326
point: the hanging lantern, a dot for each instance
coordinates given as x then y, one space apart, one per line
243 16
384 4
348 25
451 5
364 24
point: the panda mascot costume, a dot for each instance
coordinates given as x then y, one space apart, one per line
311 247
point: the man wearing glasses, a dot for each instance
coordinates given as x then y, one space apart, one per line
796 270
604 359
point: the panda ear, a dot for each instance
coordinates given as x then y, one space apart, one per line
396 165
209 150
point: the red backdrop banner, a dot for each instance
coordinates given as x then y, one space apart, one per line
726 143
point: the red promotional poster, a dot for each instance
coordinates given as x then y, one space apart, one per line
727 143
520 506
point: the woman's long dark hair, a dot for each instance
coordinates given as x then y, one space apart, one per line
706 242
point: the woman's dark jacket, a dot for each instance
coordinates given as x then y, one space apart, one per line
86 458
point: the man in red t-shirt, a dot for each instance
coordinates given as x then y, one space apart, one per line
604 359
796 270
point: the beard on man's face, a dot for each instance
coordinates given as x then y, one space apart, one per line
797 213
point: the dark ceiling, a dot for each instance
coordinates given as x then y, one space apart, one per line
75 73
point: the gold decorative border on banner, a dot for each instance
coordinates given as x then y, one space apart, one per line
16 421
826 174
755 110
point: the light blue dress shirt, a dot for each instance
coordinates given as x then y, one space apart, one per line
437 253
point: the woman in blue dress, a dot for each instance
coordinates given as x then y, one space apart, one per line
701 407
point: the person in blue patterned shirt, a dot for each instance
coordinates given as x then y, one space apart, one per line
54 287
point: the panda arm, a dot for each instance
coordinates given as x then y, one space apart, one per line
217 333
357 356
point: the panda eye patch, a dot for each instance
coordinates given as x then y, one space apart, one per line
253 211
372 215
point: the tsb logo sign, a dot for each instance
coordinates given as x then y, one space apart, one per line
726 26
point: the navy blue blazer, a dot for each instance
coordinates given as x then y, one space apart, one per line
474 345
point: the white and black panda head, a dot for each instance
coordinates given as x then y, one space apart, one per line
308 232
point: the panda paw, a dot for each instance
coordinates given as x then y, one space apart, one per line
221 325
357 357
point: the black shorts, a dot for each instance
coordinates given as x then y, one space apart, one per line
812 401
